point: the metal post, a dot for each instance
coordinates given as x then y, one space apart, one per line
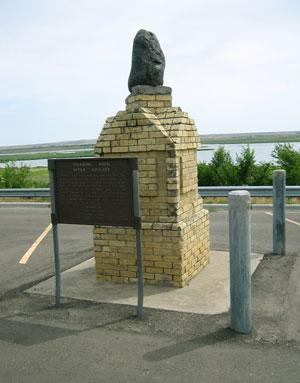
240 274
57 264
279 184
139 255
55 235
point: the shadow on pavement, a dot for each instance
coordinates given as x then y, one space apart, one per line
180 348
28 334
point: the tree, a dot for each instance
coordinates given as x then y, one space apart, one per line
222 168
288 159
262 174
245 163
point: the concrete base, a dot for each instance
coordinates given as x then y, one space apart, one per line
206 293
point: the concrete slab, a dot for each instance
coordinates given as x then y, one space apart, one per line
207 293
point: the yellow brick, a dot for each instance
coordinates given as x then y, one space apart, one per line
120 149
143 122
163 277
155 104
153 258
155 270
164 97
148 276
111 272
111 261
100 230
148 263
165 246
130 274
164 264
131 262
146 141
145 97
117 243
138 148
177 278
111 131
173 271
117 124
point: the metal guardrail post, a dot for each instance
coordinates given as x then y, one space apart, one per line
279 194
240 272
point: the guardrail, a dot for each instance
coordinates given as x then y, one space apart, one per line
204 191
255 191
34 192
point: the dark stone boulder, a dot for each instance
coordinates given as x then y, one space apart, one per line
148 61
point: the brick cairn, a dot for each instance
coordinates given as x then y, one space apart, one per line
175 226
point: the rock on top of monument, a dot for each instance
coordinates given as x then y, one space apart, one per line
147 89
148 61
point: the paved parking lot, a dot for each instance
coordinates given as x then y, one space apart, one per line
20 228
81 341
261 230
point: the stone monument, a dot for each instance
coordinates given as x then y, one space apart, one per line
164 139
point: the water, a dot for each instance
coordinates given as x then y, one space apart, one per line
41 162
30 163
262 153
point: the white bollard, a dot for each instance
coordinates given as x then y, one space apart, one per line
240 271
279 184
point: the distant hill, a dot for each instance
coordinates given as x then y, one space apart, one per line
228 138
48 147
241 138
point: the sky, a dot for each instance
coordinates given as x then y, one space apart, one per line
233 65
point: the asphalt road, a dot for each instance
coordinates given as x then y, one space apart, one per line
107 355
82 341
261 230
20 227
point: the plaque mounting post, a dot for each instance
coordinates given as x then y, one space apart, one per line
138 230
76 186
55 233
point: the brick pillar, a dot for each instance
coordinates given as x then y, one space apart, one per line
174 223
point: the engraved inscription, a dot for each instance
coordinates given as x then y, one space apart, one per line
94 191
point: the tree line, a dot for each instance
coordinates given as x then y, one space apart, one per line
221 171
244 170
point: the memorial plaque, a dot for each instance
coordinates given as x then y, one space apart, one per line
94 191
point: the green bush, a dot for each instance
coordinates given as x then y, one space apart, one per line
288 159
223 171
245 166
14 177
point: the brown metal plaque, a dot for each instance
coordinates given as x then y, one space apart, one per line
94 191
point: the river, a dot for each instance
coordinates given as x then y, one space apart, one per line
262 153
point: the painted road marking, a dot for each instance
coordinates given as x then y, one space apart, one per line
35 244
287 219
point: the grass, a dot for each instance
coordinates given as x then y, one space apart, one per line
39 177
